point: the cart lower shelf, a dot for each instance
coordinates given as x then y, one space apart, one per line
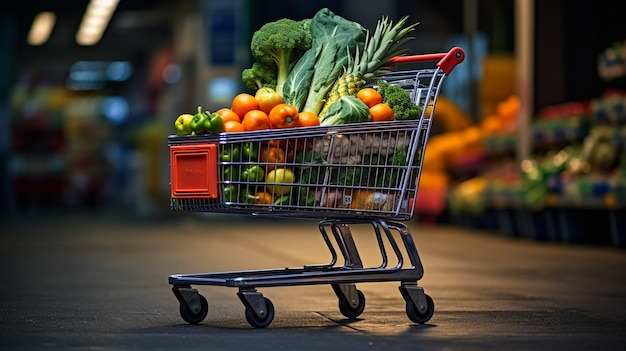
259 310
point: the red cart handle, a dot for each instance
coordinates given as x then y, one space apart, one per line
447 60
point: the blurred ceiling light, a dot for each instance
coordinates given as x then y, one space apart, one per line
95 21
41 28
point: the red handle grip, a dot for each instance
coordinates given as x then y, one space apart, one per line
447 60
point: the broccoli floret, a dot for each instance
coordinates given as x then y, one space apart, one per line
399 100
280 44
259 76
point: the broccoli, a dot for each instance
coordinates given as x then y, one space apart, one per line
259 76
280 44
399 100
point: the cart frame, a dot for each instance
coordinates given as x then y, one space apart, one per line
345 268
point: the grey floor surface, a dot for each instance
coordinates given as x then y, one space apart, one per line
100 282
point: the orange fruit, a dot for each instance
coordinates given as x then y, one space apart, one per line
369 96
308 119
255 120
381 112
233 126
264 198
243 103
228 115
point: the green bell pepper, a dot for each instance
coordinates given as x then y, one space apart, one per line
229 193
238 194
248 196
206 123
214 123
230 153
250 151
231 173
252 173
197 122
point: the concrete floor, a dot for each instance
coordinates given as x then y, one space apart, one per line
100 282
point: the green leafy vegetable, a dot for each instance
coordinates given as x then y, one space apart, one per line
348 109
310 172
311 167
348 176
295 90
334 40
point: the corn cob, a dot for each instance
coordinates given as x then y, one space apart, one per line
386 43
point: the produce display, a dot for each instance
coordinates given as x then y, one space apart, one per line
315 73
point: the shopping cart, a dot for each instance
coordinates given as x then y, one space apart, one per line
357 174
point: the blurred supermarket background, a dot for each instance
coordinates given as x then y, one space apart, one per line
529 131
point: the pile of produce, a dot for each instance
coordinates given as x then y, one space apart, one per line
320 71
309 172
317 71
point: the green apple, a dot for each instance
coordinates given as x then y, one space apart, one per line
267 98
182 124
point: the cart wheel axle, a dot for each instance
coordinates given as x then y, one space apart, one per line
351 300
419 306
421 314
193 306
259 310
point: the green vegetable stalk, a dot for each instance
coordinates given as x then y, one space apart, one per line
334 40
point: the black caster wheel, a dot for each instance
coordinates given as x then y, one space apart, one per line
194 317
418 317
261 322
348 310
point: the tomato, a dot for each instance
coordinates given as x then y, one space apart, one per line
271 156
281 143
284 116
